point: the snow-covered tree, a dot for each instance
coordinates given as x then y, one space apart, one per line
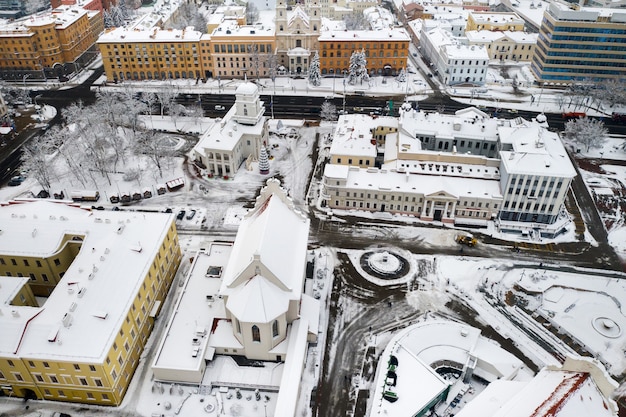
166 96
148 145
118 13
35 161
328 111
264 162
587 132
252 13
401 78
189 15
356 21
357 71
315 77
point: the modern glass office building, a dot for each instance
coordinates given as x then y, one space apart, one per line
577 44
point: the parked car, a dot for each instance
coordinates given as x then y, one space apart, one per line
180 215
219 107
191 214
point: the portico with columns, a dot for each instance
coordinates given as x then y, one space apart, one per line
439 206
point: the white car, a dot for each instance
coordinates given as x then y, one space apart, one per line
219 107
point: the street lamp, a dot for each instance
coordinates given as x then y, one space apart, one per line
24 79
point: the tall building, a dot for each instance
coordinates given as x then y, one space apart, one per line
577 44
80 291
17 8
49 45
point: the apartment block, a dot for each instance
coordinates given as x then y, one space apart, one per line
386 50
49 45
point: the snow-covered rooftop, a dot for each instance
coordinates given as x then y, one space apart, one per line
374 179
492 36
429 342
496 18
155 34
230 28
80 318
396 34
353 134
276 235
535 151
61 17
186 343
554 392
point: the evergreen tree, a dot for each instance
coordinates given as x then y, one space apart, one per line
357 71
264 163
314 71
328 111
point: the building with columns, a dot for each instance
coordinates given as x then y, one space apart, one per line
464 169
237 137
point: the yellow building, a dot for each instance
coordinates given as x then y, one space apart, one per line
79 293
237 51
494 21
386 50
504 46
155 54
49 45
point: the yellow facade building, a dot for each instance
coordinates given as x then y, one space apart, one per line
155 54
239 51
79 293
494 21
50 44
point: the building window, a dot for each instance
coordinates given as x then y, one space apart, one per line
98 382
83 381
46 365
92 368
53 379
77 367
256 334
275 328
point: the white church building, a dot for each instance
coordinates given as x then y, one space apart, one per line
236 138
246 299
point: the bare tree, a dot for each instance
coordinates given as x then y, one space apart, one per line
176 110
166 96
252 13
189 15
328 111
35 160
148 145
356 21
587 132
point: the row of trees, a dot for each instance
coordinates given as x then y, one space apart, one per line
357 71
98 140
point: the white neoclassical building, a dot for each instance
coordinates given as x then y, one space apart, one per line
238 136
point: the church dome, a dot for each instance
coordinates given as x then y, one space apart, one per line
247 89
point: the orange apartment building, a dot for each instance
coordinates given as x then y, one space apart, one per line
387 50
